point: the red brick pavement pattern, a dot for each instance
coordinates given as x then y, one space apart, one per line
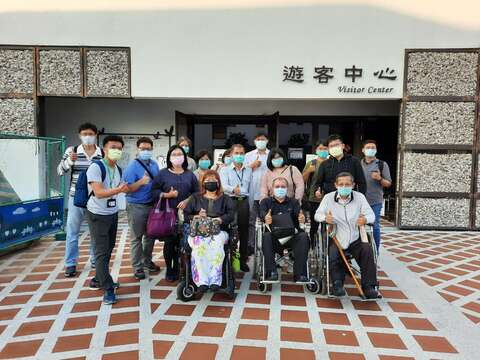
42 304
449 262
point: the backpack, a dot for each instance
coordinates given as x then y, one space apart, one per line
81 187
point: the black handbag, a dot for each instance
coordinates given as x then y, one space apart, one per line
282 226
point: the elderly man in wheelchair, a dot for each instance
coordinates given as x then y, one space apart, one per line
283 228
346 212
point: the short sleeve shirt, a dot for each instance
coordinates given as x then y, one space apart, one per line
374 193
112 180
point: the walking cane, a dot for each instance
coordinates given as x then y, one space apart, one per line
347 264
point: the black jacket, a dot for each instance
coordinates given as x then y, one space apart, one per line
222 207
289 205
330 168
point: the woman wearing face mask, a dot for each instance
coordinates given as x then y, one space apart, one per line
226 161
207 250
278 167
204 161
310 174
177 184
186 144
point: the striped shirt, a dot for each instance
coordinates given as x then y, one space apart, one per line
76 167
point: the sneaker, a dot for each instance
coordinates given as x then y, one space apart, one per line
370 292
70 271
338 289
214 287
109 297
95 285
139 274
152 267
202 289
244 267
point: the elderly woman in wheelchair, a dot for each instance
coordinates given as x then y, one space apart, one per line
209 213
346 212
283 228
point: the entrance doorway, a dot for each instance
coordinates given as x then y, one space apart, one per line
295 135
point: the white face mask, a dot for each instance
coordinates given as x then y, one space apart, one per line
88 139
336 150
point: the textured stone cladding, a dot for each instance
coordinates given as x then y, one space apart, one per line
107 73
60 72
439 122
422 212
442 74
437 172
17 116
477 215
16 71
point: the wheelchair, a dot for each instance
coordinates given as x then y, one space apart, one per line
313 285
324 237
187 289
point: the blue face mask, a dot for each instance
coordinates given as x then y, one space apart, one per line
322 154
280 192
145 154
344 191
186 149
370 152
227 160
239 158
278 162
204 164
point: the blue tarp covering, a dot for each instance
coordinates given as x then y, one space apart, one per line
30 220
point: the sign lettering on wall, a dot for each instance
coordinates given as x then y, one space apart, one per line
324 74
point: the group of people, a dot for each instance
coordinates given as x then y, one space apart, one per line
335 188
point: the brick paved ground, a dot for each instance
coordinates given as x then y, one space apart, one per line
45 316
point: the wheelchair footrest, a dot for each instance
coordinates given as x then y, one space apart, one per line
270 281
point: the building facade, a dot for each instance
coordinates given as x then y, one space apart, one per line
404 75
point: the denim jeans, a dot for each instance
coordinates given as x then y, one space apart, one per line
74 220
377 209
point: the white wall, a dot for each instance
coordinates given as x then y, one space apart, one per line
63 115
240 52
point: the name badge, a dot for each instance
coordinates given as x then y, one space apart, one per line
111 203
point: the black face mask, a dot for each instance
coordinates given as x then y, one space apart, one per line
211 186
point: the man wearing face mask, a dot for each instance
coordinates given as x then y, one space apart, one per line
236 180
76 160
338 162
102 213
139 175
257 161
310 175
280 209
377 174
348 210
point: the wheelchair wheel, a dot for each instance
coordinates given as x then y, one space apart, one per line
185 292
262 287
314 287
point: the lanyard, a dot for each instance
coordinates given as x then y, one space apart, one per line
238 176
110 173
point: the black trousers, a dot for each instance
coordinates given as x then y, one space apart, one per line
313 224
362 253
171 254
103 231
242 208
299 244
